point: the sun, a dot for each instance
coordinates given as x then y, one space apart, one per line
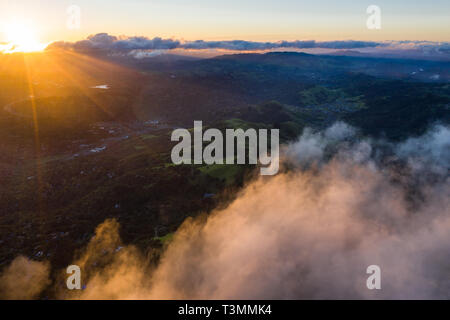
21 37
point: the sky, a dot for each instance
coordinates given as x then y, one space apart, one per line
255 20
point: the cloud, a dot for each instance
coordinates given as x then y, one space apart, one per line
311 145
413 49
141 47
346 44
424 46
142 43
141 54
24 279
311 232
103 41
341 203
229 45
241 45
428 153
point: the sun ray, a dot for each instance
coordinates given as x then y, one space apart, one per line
37 141
78 63
101 65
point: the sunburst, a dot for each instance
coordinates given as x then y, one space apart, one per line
21 37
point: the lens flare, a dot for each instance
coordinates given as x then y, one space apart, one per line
21 37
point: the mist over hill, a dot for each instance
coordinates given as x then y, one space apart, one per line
341 203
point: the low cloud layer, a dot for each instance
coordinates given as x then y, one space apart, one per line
241 45
341 204
105 43
24 279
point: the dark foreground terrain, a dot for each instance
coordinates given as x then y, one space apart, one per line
86 138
